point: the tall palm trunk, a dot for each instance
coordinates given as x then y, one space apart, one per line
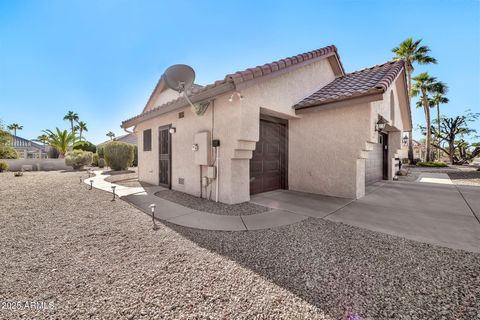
426 108
81 131
71 126
438 132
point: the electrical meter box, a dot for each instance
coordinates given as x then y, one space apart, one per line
203 152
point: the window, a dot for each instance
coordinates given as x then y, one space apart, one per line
147 140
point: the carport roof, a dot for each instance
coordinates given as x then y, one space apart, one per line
373 80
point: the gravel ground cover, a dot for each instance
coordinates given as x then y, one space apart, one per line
469 178
206 205
92 258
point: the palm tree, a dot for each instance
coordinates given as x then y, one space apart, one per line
42 138
82 126
14 127
437 99
71 116
110 134
412 52
423 86
60 140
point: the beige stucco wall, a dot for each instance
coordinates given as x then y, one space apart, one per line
324 147
158 99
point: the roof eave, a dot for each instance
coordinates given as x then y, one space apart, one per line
376 95
178 104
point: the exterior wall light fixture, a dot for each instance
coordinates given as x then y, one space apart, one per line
238 94
172 130
381 123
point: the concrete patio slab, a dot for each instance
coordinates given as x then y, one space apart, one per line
431 213
420 197
209 221
271 219
472 196
312 205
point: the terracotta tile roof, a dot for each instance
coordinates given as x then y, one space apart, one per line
243 76
364 82
259 71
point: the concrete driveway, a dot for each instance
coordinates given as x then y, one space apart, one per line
436 212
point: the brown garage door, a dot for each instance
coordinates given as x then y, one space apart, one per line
268 164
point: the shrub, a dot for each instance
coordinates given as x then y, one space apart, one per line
78 158
8 152
119 155
85 146
135 156
95 160
431 164
3 166
101 151
101 162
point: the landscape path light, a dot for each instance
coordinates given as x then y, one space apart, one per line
113 191
80 179
91 184
152 207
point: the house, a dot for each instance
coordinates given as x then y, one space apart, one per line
28 149
299 123
130 138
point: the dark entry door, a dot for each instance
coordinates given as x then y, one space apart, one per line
165 156
385 156
268 163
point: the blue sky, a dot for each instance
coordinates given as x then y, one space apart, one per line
103 58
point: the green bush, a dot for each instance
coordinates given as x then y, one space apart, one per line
8 152
135 156
78 158
431 164
95 160
101 162
3 166
101 151
85 146
119 155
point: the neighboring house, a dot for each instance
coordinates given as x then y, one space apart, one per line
300 123
27 148
127 138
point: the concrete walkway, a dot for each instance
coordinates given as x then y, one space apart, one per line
143 197
432 210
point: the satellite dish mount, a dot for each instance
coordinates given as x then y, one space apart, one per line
180 77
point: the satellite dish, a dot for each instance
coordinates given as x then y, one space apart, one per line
179 77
